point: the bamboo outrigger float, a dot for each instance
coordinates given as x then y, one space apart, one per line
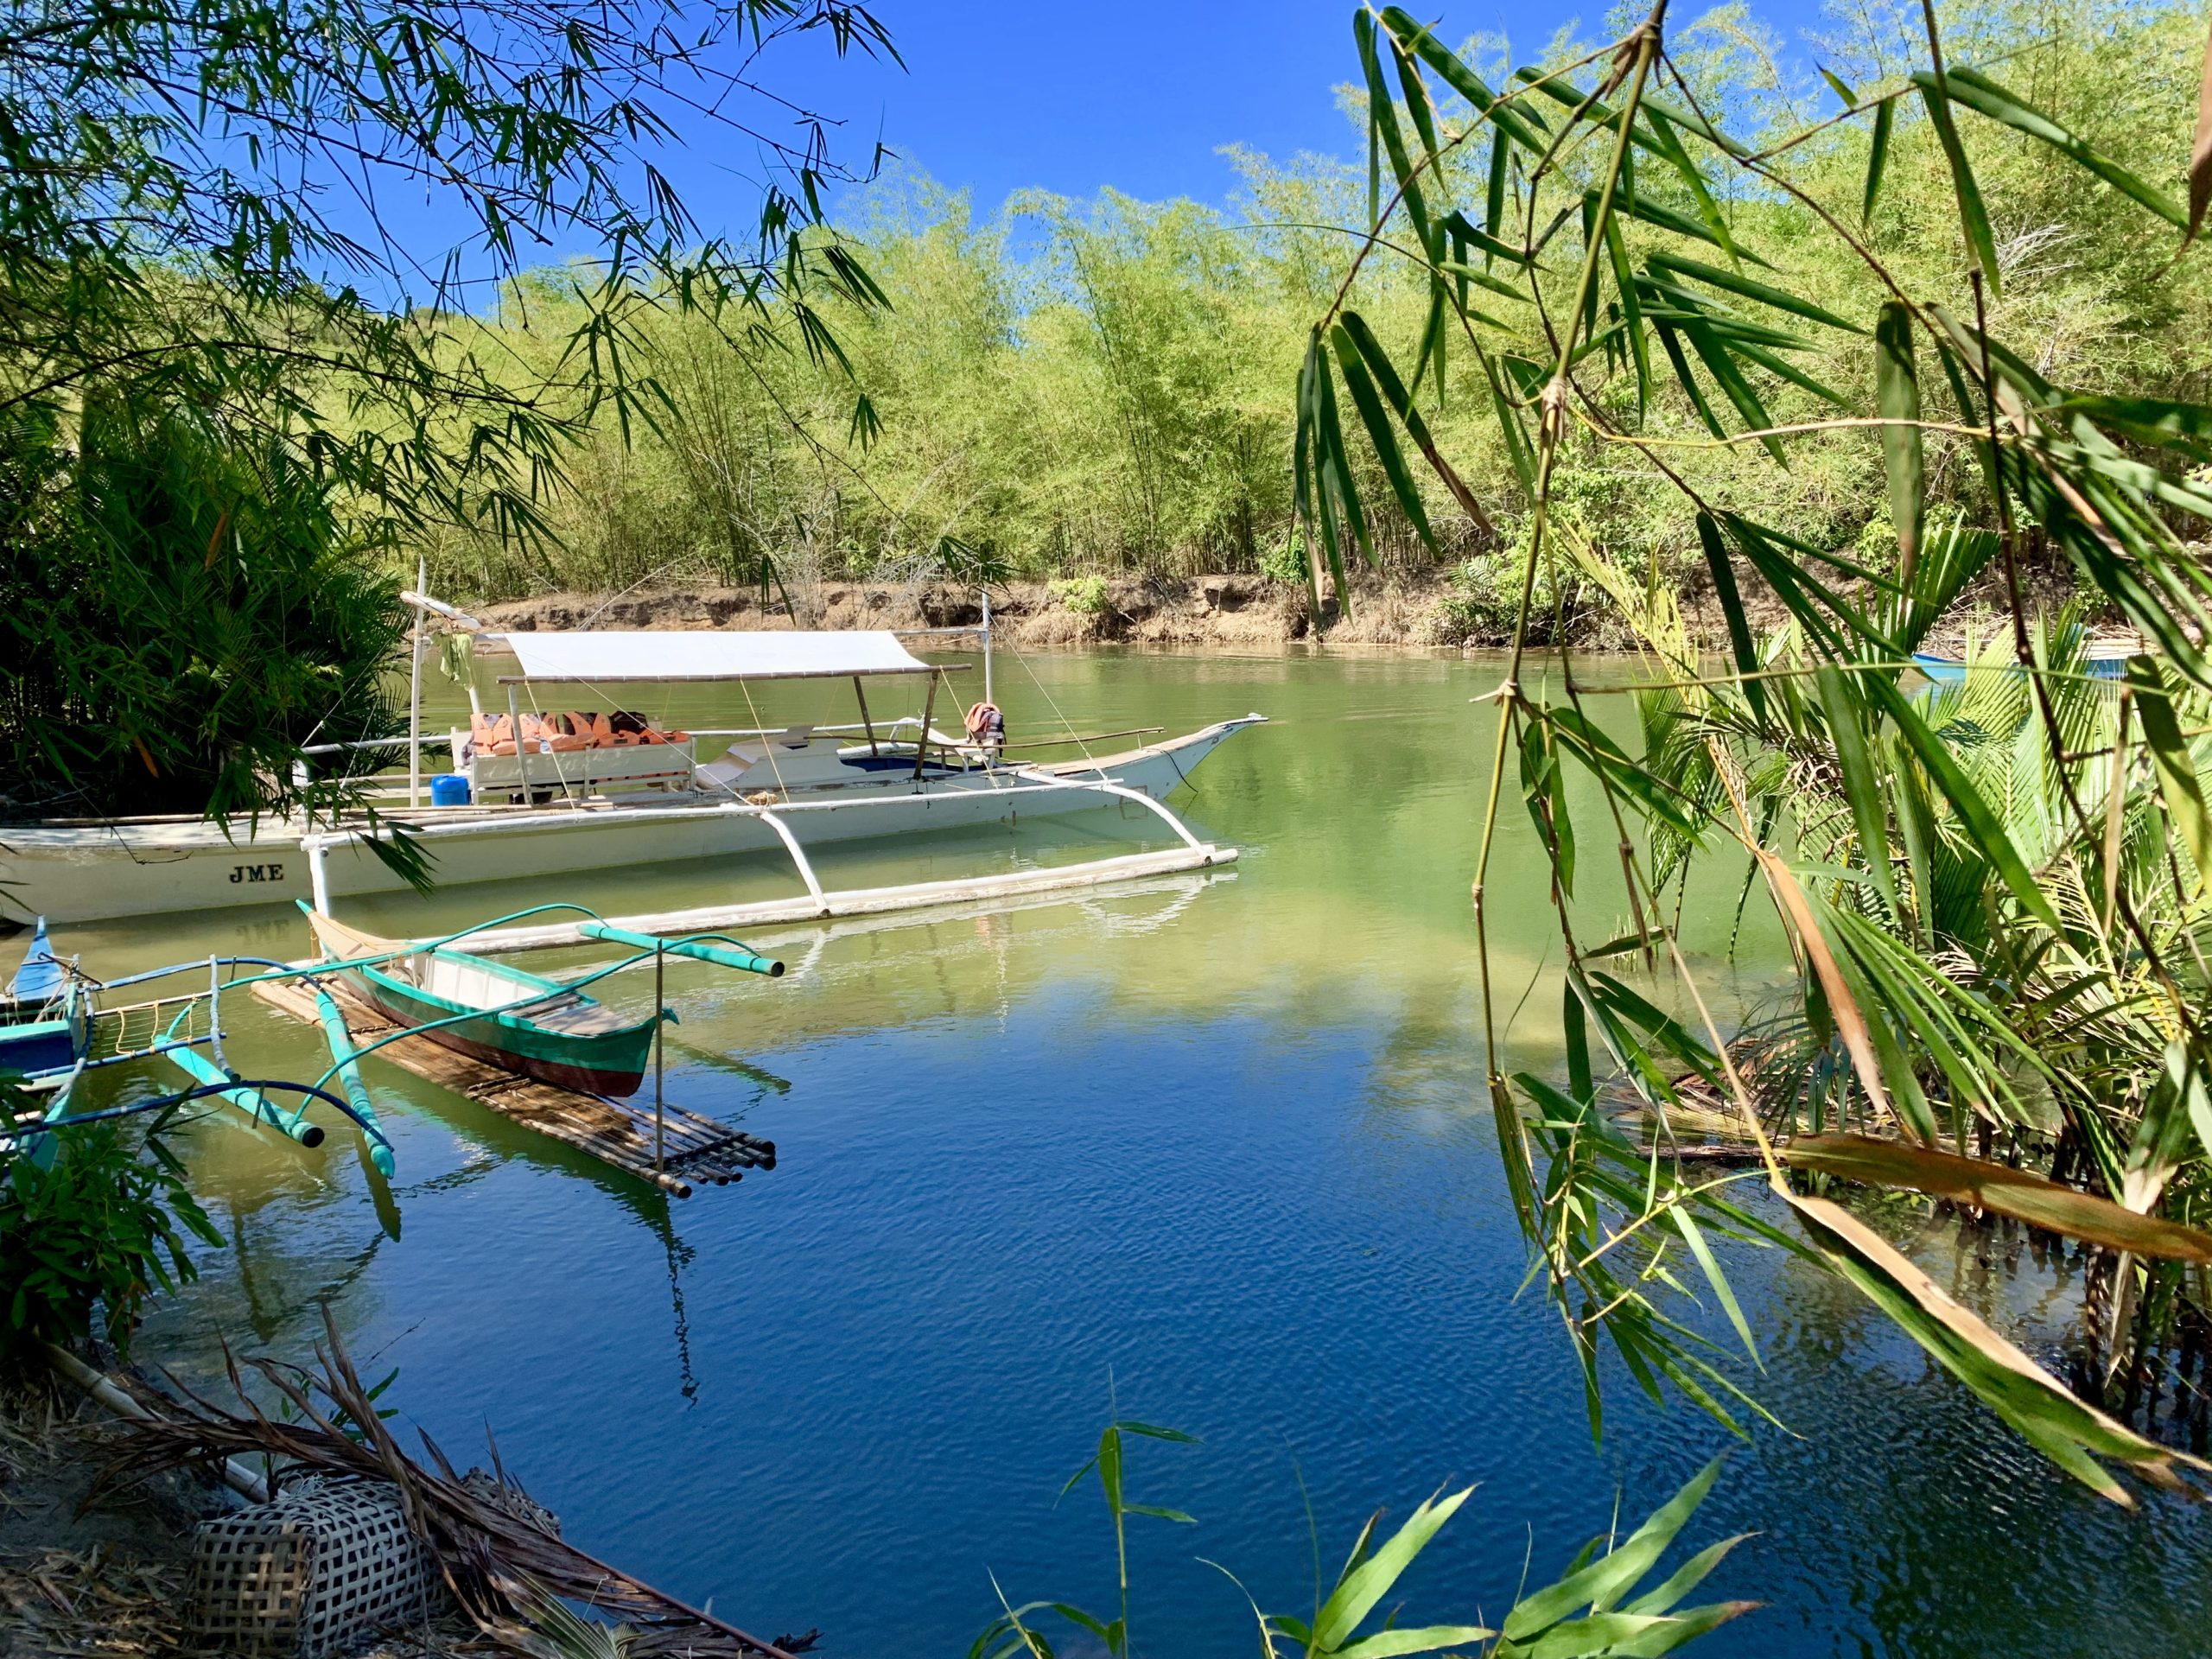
54 1030
550 794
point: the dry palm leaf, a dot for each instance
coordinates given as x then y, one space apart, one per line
499 1559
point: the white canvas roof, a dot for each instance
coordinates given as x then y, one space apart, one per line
589 657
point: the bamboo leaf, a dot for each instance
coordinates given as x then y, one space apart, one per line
2150 420
1673 347
2178 781
1668 219
1575 1033
1380 432
1670 149
1747 288
1694 1236
2079 1438
1632 312
1382 114
1419 40
1977 92
1730 380
2020 1194
1418 108
1387 1644
1494 191
1509 423
1159 1514
1732 610
1974 219
1497 285
1543 791
1842 1005
1337 481
1896 395
1877 157
1790 371
1686 1577
1606 1580
1358 1590
1849 737
1394 390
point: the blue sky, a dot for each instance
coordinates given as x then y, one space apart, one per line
1072 95
1069 96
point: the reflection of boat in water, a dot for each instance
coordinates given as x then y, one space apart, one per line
555 792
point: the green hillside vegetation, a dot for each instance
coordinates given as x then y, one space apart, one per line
1104 387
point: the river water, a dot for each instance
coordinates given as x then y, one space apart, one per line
1213 1153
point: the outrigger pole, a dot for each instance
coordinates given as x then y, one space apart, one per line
817 904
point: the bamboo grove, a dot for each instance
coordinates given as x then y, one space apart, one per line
1995 892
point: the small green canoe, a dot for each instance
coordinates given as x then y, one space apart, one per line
557 1035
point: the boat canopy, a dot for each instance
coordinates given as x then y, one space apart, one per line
590 657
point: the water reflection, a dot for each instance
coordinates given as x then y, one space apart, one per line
1223 1134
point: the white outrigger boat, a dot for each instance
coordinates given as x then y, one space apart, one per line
552 794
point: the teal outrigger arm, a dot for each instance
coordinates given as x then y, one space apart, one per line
345 1064
708 947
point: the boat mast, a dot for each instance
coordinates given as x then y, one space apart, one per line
415 689
987 698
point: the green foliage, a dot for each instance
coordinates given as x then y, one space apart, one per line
1592 1611
209 321
1997 899
1483 599
97 1230
1084 596
173 219
182 610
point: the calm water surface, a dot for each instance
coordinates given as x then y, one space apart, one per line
1214 1151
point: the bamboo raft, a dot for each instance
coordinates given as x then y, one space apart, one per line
616 1132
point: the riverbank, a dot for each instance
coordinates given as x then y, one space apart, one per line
1231 614
1225 612
90 1574
106 1578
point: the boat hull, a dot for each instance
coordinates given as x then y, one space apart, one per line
36 1045
612 1062
80 874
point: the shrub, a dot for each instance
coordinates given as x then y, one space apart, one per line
180 608
97 1230
1485 596
1084 596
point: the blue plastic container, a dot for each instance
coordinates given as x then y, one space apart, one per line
449 789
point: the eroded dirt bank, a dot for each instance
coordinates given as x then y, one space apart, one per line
1223 612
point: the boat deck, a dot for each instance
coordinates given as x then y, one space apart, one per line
616 1132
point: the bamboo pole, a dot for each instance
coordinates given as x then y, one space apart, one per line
414 693
871 901
236 1475
870 725
929 713
522 758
